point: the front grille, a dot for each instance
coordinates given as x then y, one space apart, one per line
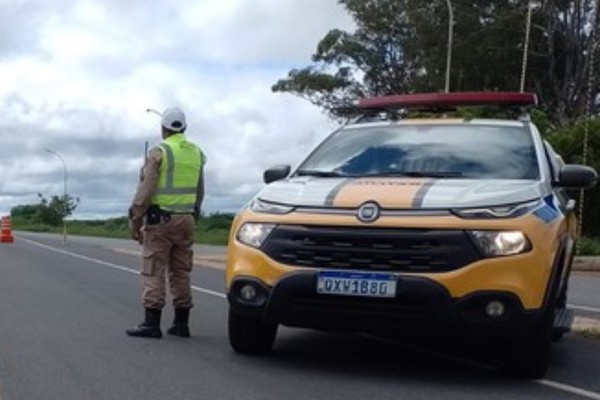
377 249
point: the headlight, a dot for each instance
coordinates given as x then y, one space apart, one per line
266 207
500 243
254 234
508 211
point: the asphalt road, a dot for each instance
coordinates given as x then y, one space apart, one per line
64 311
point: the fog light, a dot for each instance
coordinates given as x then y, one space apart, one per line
248 292
494 309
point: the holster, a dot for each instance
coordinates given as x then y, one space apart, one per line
154 214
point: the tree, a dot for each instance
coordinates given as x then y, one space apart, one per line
369 61
50 212
399 46
568 142
53 212
566 45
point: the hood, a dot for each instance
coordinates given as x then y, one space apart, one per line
401 193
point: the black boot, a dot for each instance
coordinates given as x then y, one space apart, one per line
150 328
180 323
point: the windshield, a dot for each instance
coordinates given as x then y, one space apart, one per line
449 151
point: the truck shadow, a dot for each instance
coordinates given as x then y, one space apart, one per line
400 357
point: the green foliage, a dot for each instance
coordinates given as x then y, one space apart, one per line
541 120
217 221
329 91
214 228
353 65
211 236
589 246
28 225
24 213
54 211
400 46
211 229
486 49
569 143
48 212
114 227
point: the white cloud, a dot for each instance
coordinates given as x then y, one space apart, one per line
248 32
76 77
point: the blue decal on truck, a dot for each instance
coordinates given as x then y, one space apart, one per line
548 212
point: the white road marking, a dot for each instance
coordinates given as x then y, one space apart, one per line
556 385
114 266
433 353
570 389
584 308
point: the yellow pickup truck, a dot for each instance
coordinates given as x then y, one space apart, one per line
418 224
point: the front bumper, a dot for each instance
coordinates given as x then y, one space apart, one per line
420 305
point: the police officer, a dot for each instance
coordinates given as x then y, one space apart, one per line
162 218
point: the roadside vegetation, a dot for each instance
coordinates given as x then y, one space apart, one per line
48 216
211 229
589 246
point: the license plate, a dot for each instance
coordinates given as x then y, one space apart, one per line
345 283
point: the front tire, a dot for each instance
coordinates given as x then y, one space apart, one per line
528 356
250 335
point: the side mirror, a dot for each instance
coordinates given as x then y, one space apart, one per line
576 177
276 173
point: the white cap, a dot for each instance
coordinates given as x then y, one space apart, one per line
174 119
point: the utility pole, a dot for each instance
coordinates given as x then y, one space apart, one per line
526 47
449 49
65 200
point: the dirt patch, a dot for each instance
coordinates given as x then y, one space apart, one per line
587 327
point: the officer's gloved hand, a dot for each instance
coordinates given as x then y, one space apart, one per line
135 227
135 231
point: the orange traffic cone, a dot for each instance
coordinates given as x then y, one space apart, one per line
7 236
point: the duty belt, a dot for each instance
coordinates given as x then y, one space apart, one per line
155 214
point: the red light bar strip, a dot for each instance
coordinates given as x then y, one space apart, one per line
448 100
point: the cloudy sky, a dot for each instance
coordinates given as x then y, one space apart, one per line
76 77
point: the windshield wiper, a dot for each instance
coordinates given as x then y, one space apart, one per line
418 174
320 174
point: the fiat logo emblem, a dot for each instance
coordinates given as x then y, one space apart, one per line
368 212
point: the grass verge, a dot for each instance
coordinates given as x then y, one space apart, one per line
207 231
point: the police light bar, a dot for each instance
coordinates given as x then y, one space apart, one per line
448 100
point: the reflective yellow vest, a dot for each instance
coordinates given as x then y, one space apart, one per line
180 170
